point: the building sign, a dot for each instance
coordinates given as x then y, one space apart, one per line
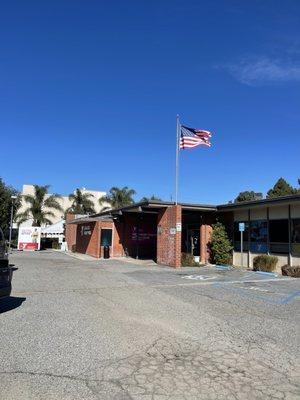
29 238
143 234
172 231
85 230
178 227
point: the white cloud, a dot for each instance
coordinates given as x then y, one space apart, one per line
264 70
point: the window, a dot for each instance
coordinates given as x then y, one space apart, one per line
259 236
295 236
237 236
279 236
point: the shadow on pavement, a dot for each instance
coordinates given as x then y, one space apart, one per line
10 303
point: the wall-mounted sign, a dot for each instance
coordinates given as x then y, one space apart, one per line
144 234
178 227
172 231
85 230
29 238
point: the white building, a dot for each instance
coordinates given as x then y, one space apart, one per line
64 202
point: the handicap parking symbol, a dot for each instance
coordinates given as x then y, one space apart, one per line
199 277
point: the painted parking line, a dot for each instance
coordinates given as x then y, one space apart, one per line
265 295
199 277
227 278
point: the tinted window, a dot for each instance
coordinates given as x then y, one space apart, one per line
106 236
1 235
259 236
279 230
295 236
295 230
279 236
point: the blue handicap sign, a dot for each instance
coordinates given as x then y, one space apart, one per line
242 226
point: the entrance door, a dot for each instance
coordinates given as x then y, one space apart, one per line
193 242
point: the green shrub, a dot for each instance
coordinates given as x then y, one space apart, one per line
187 260
56 245
264 263
220 245
287 270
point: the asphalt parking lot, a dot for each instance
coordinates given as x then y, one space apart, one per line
77 329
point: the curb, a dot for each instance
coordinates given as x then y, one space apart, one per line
225 267
267 273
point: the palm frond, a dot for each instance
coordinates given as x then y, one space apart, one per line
51 202
22 217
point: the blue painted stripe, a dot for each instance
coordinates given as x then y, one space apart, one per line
246 293
267 273
227 267
290 297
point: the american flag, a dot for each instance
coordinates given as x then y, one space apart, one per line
190 137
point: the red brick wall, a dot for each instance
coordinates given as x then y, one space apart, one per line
70 232
169 245
205 235
116 249
87 239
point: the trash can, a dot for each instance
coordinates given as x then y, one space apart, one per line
106 252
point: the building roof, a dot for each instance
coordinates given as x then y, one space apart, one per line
57 228
152 206
246 204
90 218
157 204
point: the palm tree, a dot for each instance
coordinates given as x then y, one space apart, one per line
81 203
118 198
152 198
40 205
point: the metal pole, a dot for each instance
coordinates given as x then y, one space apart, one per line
177 158
137 238
11 223
290 238
242 258
249 237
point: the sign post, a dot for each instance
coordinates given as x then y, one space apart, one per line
242 229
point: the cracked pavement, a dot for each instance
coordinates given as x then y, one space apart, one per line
113 330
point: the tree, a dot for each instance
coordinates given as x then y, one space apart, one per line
152 198
5 205
281 188
118 198
220 245
248 196
40 206
81 203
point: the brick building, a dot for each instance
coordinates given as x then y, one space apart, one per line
162 230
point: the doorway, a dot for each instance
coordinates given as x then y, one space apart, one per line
193 242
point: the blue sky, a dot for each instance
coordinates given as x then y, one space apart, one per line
90 91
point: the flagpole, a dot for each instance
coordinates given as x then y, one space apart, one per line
177 158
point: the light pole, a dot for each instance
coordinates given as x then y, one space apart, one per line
13 198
